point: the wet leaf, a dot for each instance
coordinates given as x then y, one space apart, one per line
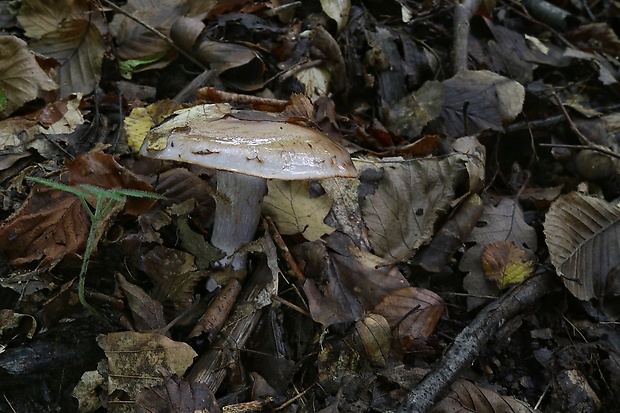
582 234
413 311
78 46
294 211
506 264
21 78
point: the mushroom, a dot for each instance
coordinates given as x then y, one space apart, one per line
245 154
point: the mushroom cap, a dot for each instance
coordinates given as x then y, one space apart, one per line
206 136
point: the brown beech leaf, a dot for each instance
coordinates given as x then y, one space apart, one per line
148 313
78 46
582 234
506 264
466 396
100 169
330 301
21 78
451 235
415 311
373 336
176 395
409 199
50 225
371 278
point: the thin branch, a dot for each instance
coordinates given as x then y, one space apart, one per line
472 339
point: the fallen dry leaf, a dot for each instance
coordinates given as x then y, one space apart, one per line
413 311
21 78
503 222
50 225
78 46
582 234
294 211
136 361
176 395
506 264
411 196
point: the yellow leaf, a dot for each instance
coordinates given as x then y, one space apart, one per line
294 211
505 263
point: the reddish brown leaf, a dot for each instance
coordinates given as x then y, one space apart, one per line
100 169
50 225
415 311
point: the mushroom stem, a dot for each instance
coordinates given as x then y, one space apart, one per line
237 214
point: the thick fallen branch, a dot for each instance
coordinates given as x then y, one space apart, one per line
470 341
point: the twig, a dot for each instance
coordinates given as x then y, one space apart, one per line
470 341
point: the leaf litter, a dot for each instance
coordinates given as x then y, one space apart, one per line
357 287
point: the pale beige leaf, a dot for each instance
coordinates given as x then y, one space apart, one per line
294 211
21 78
337 10
79 47
583 236
135 359
38 17
410 197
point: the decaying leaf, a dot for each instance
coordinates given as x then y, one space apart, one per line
101 170
294 211
411 196
132 39
582 233
451 235
413 311
141 120
329 300
373 337
468 103
176 395
136 361
21 78
503 222
148 314
79 47
506 264
466 396
41 232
